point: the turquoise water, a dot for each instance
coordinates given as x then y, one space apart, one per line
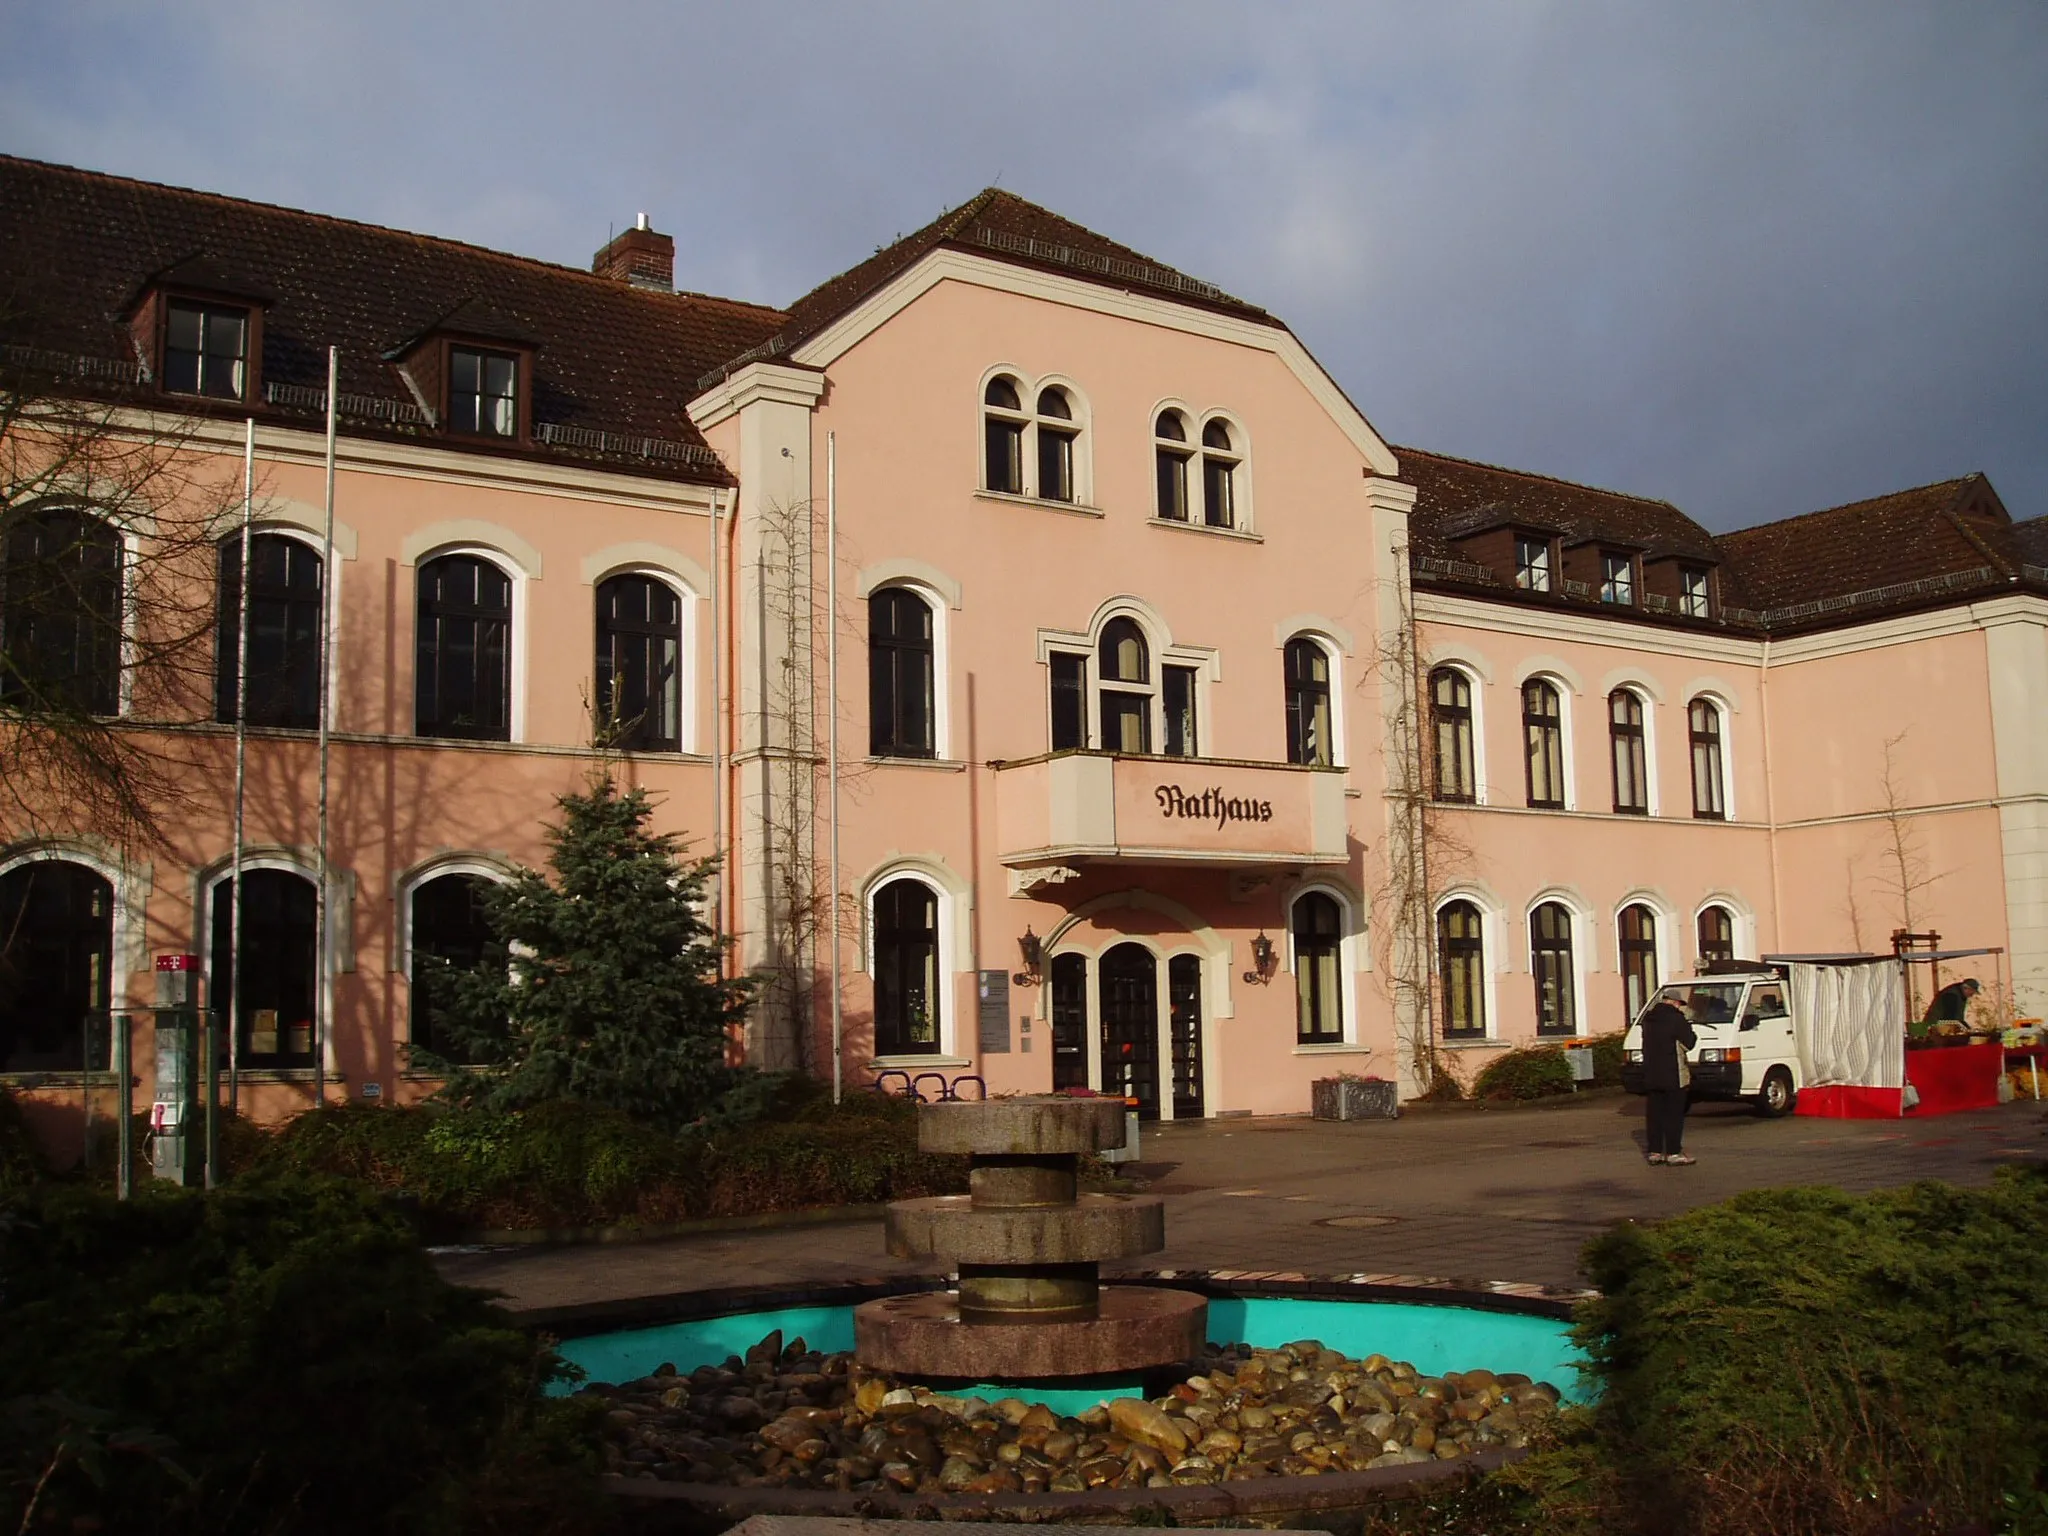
1433 1339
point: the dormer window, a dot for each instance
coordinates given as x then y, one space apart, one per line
1532 563
1617 578
1692 591
206 350
483 392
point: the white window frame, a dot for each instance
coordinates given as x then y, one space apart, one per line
330 582
1742 923
1546 567
1239 455
1203 660
1350 940
1669 955
942 712
686 660
126 955
1492 958
1626 586
515 723
1726 713
1333 654
951 926
330 944
1585 944
1567 745
1029 388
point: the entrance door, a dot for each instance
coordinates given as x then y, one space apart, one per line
1184 996
1130 1027
1069 1022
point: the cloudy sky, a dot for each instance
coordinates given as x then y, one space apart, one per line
1757 258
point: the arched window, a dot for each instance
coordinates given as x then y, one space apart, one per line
280 965
1126 687
1171 451
1450 714
1307 672
1461 964
1638 959
463 677
1318 924
1003 436
639 664
901 683
1543 738
60 613
1056 434
1709 790
1631 765
448 930
1717 935
1550 958
906 969
56 962
1220 459
284 632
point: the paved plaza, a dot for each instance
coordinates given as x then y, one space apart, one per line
1482 1195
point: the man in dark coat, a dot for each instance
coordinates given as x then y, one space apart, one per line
1667 1036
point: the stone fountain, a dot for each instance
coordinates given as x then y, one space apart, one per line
1027 1245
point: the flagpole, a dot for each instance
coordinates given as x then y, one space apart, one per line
322 991
241 779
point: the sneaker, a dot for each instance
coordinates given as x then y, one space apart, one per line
1677 1158
1654 1157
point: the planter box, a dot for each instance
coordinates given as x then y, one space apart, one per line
1338 1098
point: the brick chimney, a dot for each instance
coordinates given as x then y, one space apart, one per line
639 257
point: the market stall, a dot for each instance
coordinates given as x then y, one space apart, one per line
1948 1078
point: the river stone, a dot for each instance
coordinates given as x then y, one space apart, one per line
1137 1419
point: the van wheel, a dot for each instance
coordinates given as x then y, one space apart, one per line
1778 1096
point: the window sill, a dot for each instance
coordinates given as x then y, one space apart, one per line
1244 535
1475 1045
279 1075
929 764
32 1080
1071 508
906 1063
1331 1048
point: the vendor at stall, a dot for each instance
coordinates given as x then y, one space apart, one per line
1950 1005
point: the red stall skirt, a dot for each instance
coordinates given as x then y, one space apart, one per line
1956 1077
1838 1101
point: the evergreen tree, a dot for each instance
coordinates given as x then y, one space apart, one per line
600 985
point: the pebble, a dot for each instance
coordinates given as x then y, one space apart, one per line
784 1415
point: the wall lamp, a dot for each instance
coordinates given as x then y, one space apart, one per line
1033 950
1263 956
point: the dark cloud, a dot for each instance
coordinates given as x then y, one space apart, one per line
1757 259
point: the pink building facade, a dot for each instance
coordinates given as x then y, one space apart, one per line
1047 623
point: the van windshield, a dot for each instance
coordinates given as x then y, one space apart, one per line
1703 1002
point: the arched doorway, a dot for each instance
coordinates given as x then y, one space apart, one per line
56 963
1130 1026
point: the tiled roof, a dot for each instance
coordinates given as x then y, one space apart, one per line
1456 497
614 364
1008 228
1889 552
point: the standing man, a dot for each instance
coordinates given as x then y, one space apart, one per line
1667 1036
1950 1005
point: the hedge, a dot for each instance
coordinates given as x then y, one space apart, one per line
576 1165
1541 1071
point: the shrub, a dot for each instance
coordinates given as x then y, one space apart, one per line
275 1358
1607 1059
1802 1360
1534 1073
1444 1088
574 1165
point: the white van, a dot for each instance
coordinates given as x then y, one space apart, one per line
1746 1045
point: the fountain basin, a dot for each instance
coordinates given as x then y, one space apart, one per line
924 1336
1092 1229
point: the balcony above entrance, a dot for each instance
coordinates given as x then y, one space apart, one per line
1082 808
